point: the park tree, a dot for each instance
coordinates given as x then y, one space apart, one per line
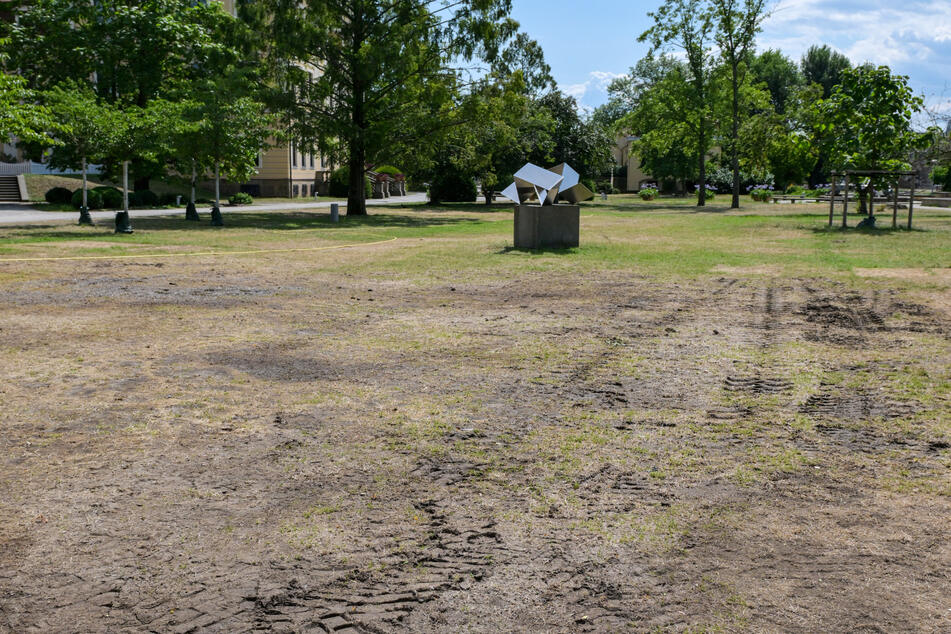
129 52
139 134
736 23
21 116
223 130
780 74
575 139
362 77
87 125
685 25
867 122
821 65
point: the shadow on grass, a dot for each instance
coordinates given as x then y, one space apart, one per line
541 251
476 208
278 221
868 231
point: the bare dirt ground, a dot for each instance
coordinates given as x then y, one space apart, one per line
236 444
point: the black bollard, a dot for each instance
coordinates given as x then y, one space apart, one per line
84 217
216 219
123 225
190 212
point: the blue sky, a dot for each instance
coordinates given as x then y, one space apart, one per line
588 43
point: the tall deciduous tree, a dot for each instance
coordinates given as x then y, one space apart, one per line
363 76
867 121
130 52
86 135
20 114
736 24
225 131
687 25
821 65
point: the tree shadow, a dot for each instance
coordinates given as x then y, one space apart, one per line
868 231
278 221
539 251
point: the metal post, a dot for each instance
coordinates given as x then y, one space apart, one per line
334 212
895 210
911 199
832 199
845 203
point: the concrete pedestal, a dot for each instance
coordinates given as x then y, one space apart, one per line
537 227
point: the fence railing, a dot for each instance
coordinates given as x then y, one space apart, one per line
14 169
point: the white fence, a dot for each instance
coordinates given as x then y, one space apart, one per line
14 169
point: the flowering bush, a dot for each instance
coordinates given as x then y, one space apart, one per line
648 193
761 195
709 192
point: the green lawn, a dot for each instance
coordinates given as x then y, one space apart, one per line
669 237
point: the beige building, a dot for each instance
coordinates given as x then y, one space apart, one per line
624 155
284 171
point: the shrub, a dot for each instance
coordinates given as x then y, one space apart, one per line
794 190
388 169
59 196
452 186
722 179
144 198
941 176
340 183
648 193
93 199
761 195
111 197
241 198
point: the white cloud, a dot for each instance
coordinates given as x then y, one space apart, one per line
876 31
597 82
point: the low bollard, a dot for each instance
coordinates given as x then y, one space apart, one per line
604 195
334 212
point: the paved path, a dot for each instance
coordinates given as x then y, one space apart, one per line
24 213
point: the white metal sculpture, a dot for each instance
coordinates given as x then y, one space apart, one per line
534 183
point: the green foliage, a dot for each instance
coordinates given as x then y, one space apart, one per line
823 66
648 193
385 73
761 195
93 199
21 116
941 176
59 196
144 198
88 126
241 198
708 194
779 74
867 121
574 140
111 197
452 186
340 183
388 169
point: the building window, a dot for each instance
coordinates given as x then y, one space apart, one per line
293 155
311 161
303 191
260 162
296 191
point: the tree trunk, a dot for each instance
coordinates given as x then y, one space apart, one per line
702 166
863 200
735 137
357 195
125 186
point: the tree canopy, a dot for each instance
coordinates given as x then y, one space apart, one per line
364 77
